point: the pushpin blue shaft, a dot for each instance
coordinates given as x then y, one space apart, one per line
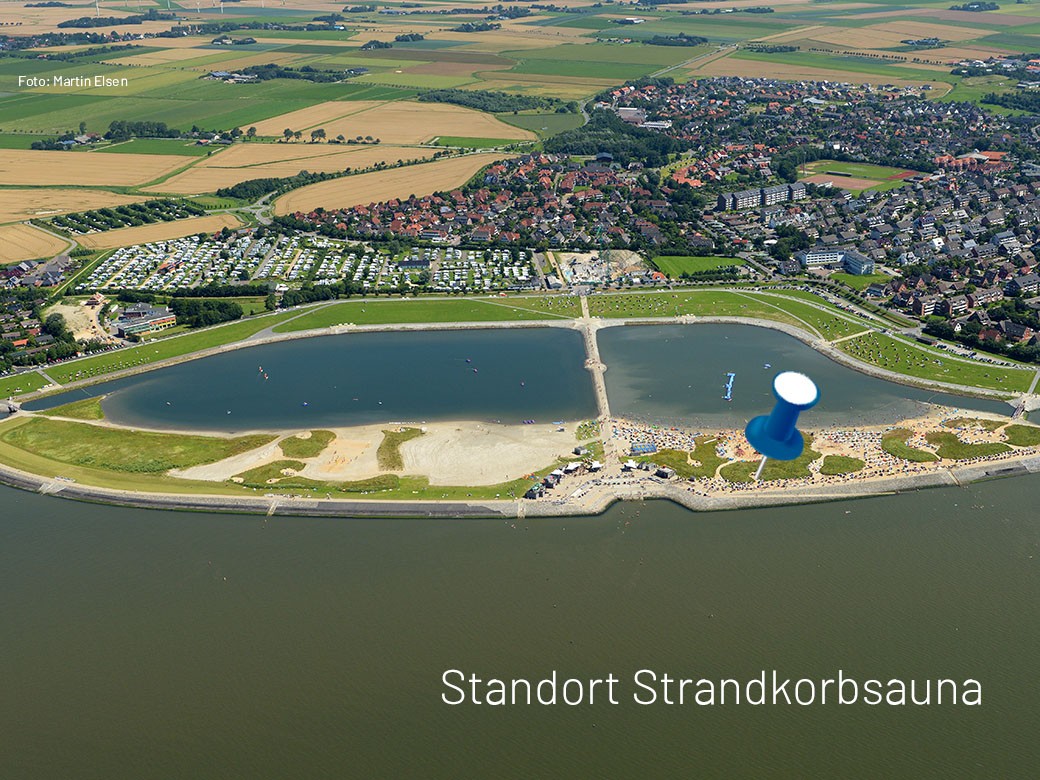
775 435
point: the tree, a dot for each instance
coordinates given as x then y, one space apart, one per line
340 138
251 133
287 133
297 135
271 302
82 128
318 135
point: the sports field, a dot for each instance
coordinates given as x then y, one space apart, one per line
378 186
855 177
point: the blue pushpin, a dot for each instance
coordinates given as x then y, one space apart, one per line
775 435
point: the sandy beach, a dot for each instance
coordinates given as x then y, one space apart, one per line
447 453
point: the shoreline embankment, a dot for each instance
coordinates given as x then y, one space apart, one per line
593 503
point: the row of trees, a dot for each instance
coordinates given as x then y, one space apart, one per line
196 313
606 132
496 102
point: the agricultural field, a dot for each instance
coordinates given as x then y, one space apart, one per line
17 205
257 161
403 122
543 124
158 232
24 242
175 146
383 185
40 169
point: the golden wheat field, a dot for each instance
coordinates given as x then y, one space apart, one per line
161 56
384 185
30 21
312 116
25 167
25 242
161 231
241 163
400 122
20 205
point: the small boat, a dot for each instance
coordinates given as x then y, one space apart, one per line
768 365
306 404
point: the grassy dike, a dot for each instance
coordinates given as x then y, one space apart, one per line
132 460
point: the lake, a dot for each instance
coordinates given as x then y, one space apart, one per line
668 373
507 375
676 374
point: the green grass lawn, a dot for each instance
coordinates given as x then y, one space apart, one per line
389 453
860 282
694 302
378 312
894 443
744 470
836 465
87 409
952 448
161 349
1022 435
922 363
18 141
20 384
311 447
676 265
705 464
543 124
117 449
176 146
703 303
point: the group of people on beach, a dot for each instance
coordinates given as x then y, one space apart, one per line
861 444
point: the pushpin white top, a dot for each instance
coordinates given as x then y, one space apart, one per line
795 388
